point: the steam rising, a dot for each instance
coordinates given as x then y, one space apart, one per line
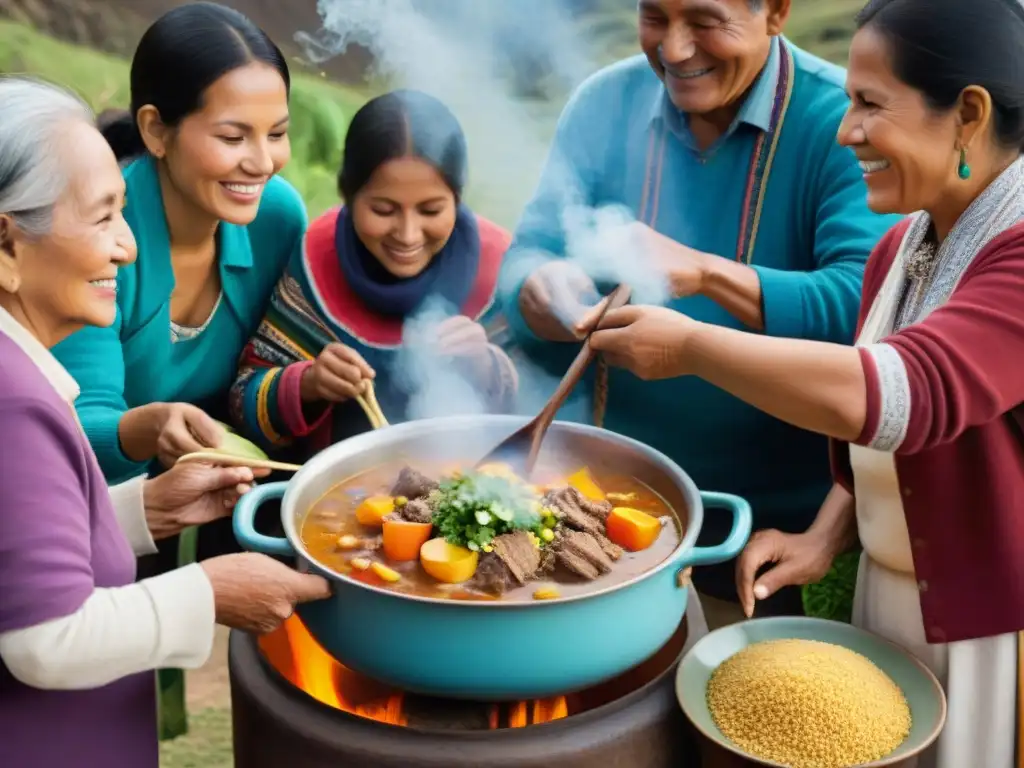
438 388
462 51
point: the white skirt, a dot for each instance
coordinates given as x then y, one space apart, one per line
979 676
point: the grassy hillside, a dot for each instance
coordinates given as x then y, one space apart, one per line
321 109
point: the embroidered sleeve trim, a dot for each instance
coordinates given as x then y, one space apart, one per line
894 386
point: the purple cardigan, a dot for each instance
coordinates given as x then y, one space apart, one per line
59 540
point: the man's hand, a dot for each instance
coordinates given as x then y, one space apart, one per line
684 268
555 299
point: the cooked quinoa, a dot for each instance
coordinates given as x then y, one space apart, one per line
807 704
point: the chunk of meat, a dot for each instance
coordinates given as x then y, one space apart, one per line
514 561
519 554
577 511
598 509
492 575
582 554
548 560
415 511
412 484
609 547
578 565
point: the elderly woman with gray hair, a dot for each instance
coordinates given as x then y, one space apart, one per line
78 639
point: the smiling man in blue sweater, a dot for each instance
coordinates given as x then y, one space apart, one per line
721 141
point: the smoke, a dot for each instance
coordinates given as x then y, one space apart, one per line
436 386
602 243
484 59
439 385
462 52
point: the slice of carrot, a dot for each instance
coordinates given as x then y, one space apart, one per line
632 529
402 539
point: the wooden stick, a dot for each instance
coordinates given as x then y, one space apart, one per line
368 410
371 394
368 401
227 460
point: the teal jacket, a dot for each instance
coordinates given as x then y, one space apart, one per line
134 362
620 142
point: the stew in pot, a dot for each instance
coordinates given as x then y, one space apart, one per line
487 534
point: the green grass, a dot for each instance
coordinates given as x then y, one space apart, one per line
320 110
207 745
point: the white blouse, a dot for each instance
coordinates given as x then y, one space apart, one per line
164 621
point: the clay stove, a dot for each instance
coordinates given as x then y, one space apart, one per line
294 705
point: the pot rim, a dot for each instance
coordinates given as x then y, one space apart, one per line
395 434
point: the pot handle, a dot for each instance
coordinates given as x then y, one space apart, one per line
734 542
244 522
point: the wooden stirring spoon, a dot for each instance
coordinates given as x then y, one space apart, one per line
522 447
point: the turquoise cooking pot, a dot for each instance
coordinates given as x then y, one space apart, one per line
493 650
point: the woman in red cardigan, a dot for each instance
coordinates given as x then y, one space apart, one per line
929 462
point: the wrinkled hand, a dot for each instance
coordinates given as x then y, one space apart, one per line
797 558
556 299
683 267
183 428
648 341
193 494
255 593
339 373
465 340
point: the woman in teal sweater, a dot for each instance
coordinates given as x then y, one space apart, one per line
215 226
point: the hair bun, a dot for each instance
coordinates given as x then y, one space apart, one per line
121 132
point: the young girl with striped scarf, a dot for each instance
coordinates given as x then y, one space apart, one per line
403 247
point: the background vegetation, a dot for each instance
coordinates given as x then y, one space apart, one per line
322 106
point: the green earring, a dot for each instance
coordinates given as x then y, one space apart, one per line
963 170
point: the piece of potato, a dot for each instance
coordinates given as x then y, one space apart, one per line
447 562
373 509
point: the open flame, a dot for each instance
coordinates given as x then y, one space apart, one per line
300 659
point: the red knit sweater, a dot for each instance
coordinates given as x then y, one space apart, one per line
961 465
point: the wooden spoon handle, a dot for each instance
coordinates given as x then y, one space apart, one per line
584 358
